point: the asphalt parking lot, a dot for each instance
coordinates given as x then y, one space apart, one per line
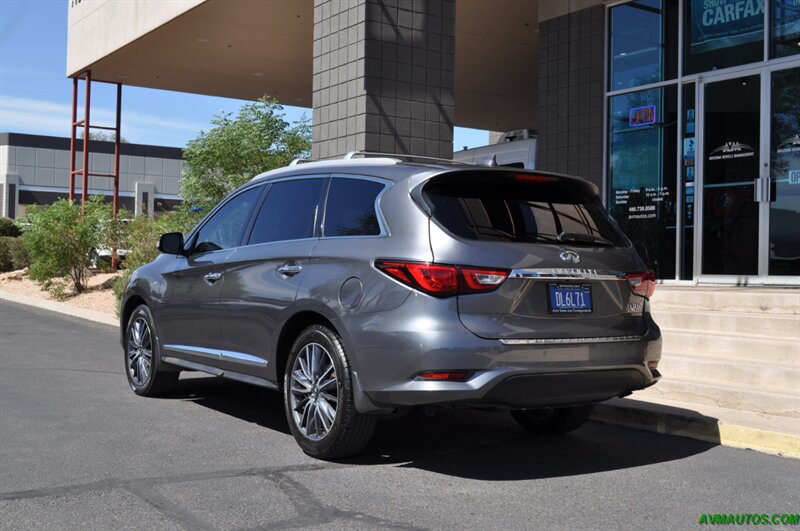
78 450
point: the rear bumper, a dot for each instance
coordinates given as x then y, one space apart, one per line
501 375
515 389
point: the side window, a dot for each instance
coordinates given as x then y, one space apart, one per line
288 213
224 229
351 208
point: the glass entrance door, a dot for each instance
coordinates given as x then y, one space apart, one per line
749 177
731 154
783 194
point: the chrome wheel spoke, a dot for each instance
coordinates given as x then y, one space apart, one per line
326 413
330 398
304 363
325 385
300 378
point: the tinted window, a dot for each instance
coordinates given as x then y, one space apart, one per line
351 208
785 27
644 43
642 143
224 229
522 210
288 213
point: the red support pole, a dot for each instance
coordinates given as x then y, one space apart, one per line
85 190
73 130
117 140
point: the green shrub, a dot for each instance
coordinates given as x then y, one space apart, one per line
5 254
8 228
20 259
62 244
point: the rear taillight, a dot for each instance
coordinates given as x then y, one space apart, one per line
642 282
443 280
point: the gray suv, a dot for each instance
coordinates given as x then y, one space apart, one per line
365 286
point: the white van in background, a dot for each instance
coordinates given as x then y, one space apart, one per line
516 149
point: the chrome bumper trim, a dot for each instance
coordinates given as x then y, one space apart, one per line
566 274
570 340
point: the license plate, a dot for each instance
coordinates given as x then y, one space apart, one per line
569 298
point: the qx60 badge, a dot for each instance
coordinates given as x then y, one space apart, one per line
570 257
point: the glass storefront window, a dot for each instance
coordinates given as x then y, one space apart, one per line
722 33
784 208
785 28
643 47
641 173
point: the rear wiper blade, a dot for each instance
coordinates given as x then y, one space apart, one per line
577 237
539 237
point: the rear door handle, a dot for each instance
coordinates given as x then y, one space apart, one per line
211 278
290 270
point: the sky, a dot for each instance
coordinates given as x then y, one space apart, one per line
36 95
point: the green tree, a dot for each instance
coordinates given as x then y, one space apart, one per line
62 245
237 148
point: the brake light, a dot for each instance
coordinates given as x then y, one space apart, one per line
526 177
642 282
443 280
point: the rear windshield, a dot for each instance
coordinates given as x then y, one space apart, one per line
523 208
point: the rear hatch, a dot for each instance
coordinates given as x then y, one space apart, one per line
567 259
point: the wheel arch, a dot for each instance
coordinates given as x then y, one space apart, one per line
128 306
289 332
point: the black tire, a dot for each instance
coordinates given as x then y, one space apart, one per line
158 379
553 420
350 431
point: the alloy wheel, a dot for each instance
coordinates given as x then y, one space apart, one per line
313 393
140 352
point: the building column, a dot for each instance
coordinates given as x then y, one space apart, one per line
571 44
144 197
9 195
383 77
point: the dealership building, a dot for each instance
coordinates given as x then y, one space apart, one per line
685 113
34 170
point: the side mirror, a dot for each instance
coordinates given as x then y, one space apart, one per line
171 243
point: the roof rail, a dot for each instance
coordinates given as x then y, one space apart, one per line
295 162
365 154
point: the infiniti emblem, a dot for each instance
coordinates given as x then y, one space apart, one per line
570 256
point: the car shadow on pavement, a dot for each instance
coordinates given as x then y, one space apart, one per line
249 403
491 446
465 443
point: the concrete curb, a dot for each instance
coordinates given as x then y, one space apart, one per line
685 423
634 414
61 307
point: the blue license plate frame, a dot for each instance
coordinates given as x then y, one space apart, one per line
569 298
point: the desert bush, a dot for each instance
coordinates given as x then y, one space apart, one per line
62 244
5 254
13 254
8 228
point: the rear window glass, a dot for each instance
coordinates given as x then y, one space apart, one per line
521 208
351 208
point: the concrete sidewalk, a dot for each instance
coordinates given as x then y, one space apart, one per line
61 307
738 429
770 434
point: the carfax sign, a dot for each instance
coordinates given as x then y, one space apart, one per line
723 23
